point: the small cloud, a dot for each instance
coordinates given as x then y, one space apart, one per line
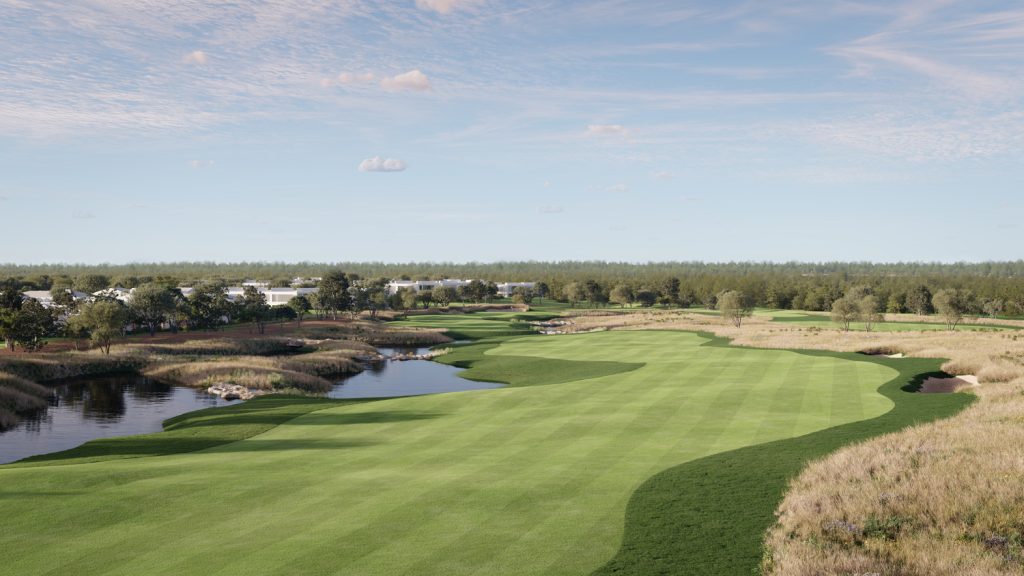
82 215
441 6
348 78
547 183
3 198
617 228
692 199
195 57
550 209
411 80
619 188
662 175
1008 226
137 206
378 164
607 130
200 164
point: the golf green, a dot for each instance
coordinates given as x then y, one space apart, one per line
519 480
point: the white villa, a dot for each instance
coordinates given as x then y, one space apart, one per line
420 285
275 296
504 288
45 297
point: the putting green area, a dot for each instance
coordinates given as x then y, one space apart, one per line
530 479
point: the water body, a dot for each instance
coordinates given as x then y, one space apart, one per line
87 408
406 378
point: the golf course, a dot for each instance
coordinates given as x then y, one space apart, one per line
618 452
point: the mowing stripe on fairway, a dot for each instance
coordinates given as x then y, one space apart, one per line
518 480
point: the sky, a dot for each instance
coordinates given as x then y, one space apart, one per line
483 130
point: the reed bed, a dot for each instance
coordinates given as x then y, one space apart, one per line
254 372
18 397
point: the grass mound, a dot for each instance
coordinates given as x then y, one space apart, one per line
254 372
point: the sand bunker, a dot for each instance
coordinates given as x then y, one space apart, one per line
943 385
896 355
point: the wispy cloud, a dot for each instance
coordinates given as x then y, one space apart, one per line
200 164
195 57
379 164
443 6
607 130
412 80
551 209
82 215
619 188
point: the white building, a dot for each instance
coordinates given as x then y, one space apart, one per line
275 296
420 285
117 293
45 297
505 289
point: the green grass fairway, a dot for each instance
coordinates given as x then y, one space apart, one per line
530 479
477 325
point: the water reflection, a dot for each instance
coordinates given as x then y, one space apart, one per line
83 409
405 378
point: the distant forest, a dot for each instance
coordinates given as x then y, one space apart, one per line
810 286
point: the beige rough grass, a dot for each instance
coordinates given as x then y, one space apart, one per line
941 499
255 372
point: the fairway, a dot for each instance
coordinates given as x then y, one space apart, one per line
520 480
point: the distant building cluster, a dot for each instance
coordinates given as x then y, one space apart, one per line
280 296
505 289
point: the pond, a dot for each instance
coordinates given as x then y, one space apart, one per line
405 378
87 408
84 409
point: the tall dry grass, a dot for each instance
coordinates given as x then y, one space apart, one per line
255 372
940 499
18 397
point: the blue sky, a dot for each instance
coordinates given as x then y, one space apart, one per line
144 130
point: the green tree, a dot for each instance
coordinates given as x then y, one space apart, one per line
522 295
254 308
301 306
646 298
735 306
152 304
332 293
621 295
993 307
443 295
895 303
670 291
90 283
867 307
919 300
542 289
574 293
207 306
32 323
407 298
103 320
845 310
952 304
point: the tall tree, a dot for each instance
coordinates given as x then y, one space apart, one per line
254 307
735 306
300 305
32 323
152 304
332 293
90 283
621 295
670 291
522 295
443 295
919 300
103 320
867 307
845 311
952 304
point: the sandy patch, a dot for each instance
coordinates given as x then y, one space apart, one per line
945 385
